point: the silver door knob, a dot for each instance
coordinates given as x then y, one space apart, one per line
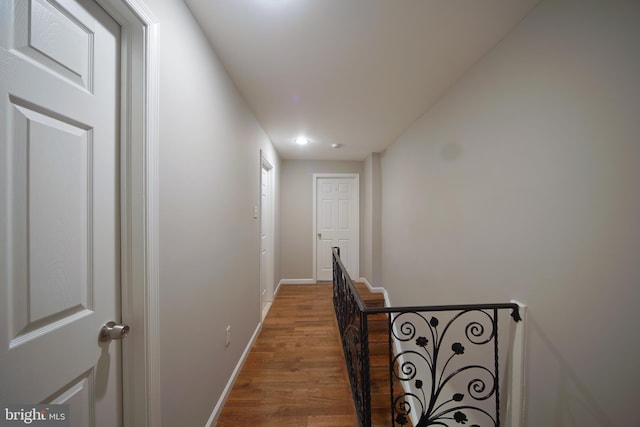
113 331
320 236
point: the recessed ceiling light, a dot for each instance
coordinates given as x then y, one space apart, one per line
302 140
336 145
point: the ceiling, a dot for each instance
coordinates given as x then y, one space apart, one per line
350 72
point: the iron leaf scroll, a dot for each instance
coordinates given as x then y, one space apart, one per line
441 385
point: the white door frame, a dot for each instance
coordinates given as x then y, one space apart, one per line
356 178
269 210
139 146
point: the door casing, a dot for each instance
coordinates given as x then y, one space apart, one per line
139 223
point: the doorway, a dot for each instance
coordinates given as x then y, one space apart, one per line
266 235
135 233
336 222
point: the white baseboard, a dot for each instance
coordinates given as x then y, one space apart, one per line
377 290
296 282
225 393
276 290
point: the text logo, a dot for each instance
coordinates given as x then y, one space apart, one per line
34 415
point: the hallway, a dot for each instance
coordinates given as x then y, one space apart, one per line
295 374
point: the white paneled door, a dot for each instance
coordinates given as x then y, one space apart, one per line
337 224
60 207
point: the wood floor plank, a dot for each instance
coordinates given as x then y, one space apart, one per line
295 374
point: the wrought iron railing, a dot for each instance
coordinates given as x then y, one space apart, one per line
351 314
443 360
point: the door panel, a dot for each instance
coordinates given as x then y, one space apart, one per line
59 204
78 395
344 214
325 251
57 240
55 39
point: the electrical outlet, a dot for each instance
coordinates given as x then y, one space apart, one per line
227 338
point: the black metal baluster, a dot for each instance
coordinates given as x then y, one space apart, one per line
497 367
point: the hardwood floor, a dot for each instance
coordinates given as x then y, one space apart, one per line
295 375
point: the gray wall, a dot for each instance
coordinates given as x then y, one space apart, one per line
524 182
296 212
371 258
209 241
